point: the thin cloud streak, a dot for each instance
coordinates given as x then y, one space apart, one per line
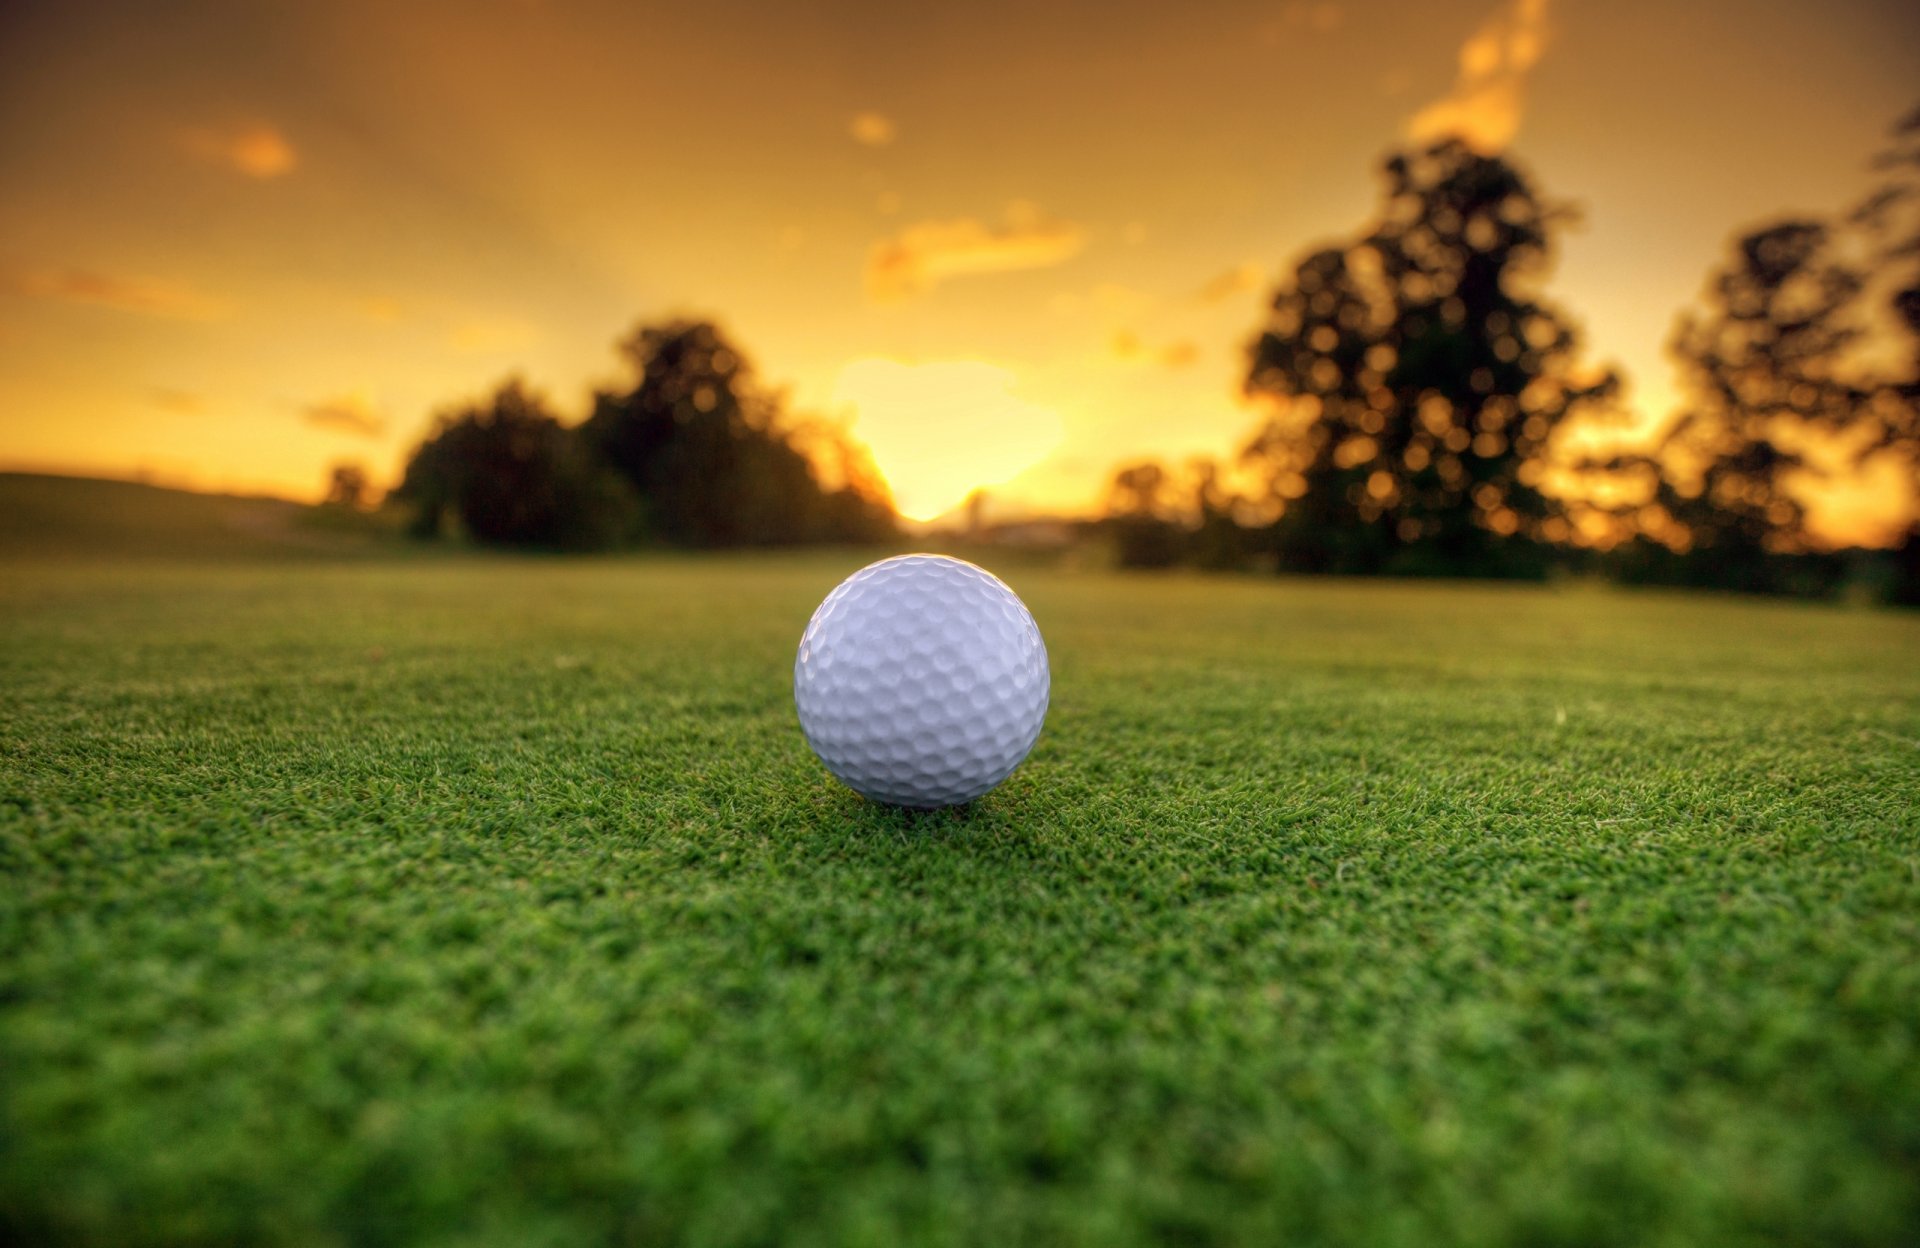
927 253
138 295
257 150
347 413
1237 280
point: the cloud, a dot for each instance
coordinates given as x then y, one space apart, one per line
1490 94
489 336
348 413
872 129
143 296
1300 16
1237 280
925 254
257 150
1182 354
179 402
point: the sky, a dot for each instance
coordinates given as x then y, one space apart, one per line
1008 245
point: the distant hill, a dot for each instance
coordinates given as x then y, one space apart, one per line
58 517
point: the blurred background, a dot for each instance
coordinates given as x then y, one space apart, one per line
1515 289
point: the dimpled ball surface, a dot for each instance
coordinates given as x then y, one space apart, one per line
921 681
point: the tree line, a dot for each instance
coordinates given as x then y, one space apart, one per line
694 452
1427 411
1423 398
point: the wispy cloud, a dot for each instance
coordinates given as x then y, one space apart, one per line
1182 354
257 150
1129 346
348 413
491 335
179 402
144 296
873 129
925 254
1489 96
1302 17
1234 281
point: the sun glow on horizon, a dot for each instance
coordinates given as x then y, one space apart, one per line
941 429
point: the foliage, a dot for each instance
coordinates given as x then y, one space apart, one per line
695 454
348 487
1153 526
1764 368
711 452
1808 339
1418 380
512 475
500 903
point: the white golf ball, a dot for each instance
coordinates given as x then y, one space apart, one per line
921 681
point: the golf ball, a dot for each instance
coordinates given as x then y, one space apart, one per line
921 681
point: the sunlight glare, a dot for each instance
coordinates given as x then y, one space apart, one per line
941 429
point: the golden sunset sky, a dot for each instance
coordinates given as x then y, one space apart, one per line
1012 244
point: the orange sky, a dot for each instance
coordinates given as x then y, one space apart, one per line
1012 243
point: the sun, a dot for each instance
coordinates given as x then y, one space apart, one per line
942 429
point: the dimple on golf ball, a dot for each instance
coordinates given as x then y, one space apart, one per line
921 681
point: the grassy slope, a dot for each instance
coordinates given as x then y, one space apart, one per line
45 517
502 904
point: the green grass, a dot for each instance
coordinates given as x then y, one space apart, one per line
501 903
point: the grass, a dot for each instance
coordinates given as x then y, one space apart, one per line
477 903
54 518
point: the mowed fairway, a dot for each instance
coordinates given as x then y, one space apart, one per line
501 903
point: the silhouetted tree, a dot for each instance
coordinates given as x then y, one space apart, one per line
710 454
1144 536
348 487
1763 369
1419 380
1777 360
1217 541
511 475
1890 219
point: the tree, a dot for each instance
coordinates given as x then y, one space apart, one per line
1890 220
1803 360
1418 380
1217 540
510 474
1763 369
348 487
711 453
1137 499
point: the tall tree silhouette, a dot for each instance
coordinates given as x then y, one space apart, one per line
1809 337
1419 379
1763 364
1889 217
710 452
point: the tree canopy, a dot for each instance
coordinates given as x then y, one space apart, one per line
1418 379
694 453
